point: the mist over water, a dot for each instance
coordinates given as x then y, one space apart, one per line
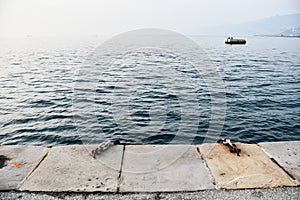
38 80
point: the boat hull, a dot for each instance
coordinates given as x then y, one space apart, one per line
235 41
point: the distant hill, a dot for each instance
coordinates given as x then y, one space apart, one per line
276 25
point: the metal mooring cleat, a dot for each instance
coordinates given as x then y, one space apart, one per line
104 146
232 147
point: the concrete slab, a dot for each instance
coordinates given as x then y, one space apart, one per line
161 168
15 163
286 154
72 168
252 169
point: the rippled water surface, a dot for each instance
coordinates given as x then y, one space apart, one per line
143 97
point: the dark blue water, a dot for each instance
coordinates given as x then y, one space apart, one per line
45 96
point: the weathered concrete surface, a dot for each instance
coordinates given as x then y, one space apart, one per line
286 154
252 169
160 168
72 168
16 162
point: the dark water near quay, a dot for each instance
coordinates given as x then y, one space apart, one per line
38 82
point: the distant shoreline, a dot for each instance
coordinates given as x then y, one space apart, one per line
288 36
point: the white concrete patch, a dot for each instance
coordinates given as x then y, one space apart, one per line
72 168
286 154
17 161
160 168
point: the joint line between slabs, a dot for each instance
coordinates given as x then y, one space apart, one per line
34 167
121 167
207 168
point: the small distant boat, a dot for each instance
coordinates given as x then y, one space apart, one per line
230 40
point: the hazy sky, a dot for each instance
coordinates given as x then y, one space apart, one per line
105 17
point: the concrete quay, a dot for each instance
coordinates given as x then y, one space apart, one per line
123 169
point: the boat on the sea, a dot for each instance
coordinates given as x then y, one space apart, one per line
230 40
